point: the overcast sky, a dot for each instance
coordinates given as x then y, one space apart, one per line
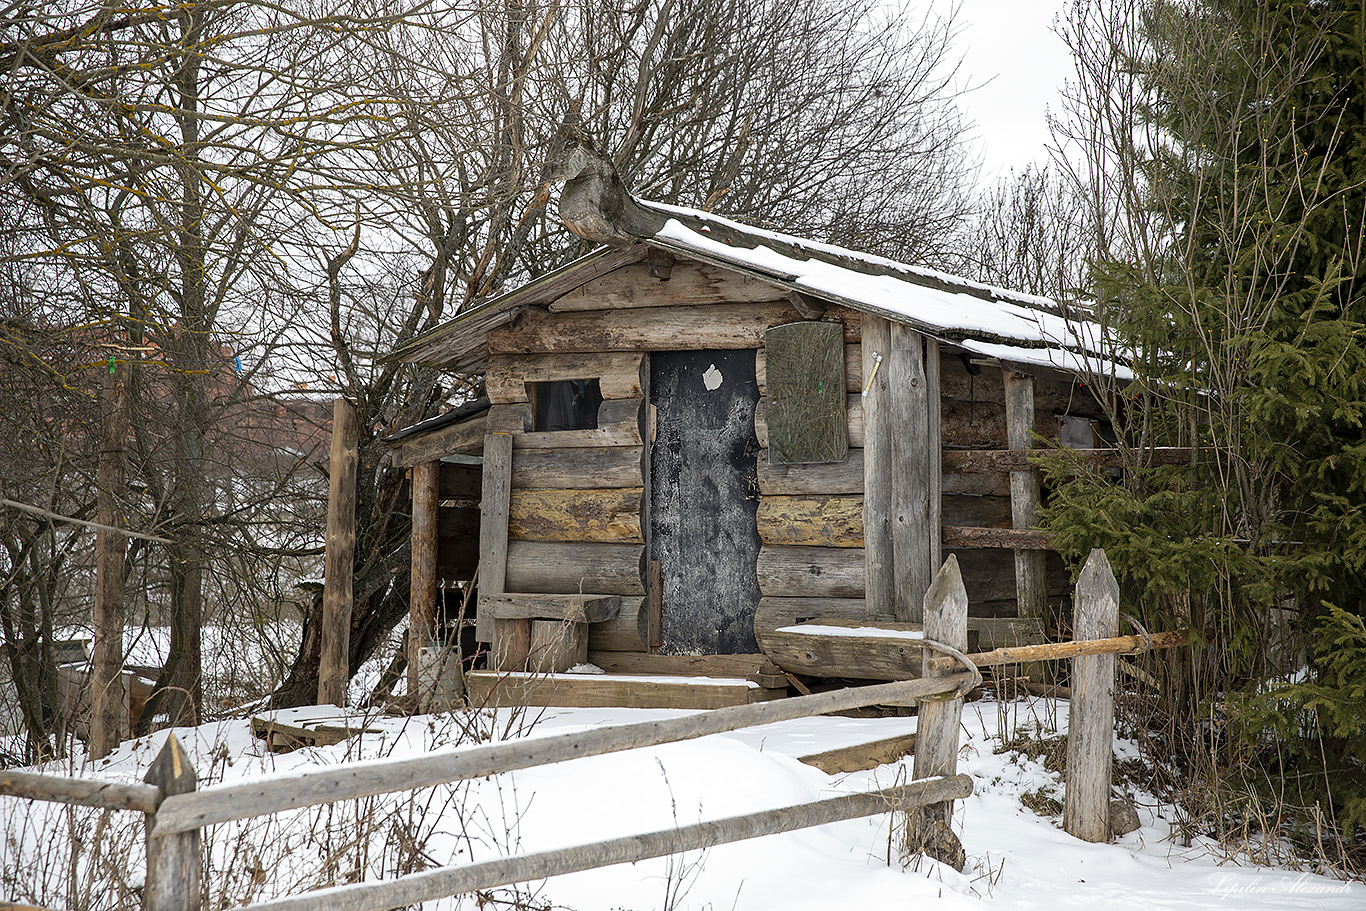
1010 52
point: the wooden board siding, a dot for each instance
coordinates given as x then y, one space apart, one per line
689 283
722 326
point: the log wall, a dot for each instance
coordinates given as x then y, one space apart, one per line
578 497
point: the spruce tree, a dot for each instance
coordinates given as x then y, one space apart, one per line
1247 323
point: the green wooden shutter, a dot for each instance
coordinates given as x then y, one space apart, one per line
806 398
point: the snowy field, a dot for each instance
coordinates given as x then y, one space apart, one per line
1017 859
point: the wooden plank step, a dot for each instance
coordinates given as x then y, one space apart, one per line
839 647
574 608
860 757
490 688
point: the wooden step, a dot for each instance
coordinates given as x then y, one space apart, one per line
492 688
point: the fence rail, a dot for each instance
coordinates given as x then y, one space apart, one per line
177 812
446 881
224 803
81 792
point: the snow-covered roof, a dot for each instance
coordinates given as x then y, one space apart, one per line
993 322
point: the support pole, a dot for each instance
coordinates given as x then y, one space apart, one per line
879 581
334 663
911 486
511 640
1091 719
422 583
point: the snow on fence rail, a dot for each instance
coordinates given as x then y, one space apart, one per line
176 811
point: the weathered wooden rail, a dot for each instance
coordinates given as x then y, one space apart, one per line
177 810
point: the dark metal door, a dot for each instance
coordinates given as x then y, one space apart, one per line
704 495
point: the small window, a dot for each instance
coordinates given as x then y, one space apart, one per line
565 405
806 396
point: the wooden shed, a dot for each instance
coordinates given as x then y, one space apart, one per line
704 433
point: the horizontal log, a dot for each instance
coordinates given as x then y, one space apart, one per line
617 373
80 792
775 613
688 284
594 467
819 572
811 520
869 657
441 882
828 478
573 608
607 516
539 567
628 631
853 369
684 665
488 689
1006 460
463 438
1014 538
327 784
989 574
618 425
725 326
1056 651
853 414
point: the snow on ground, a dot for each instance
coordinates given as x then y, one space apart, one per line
1017 859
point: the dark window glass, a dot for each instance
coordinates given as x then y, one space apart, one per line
566 405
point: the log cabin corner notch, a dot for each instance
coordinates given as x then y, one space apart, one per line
668 513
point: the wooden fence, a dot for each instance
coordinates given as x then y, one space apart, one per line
177 810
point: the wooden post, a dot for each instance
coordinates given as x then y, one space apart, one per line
334 662
1031 584
109 699
1091 720
422 582
511 639
936 735
909 421
879 581
934 450
172 860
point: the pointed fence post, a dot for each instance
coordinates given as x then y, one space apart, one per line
929 829
172 860
1091 718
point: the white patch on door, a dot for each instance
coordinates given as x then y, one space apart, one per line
712 379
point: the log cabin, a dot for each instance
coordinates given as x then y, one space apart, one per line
703 433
